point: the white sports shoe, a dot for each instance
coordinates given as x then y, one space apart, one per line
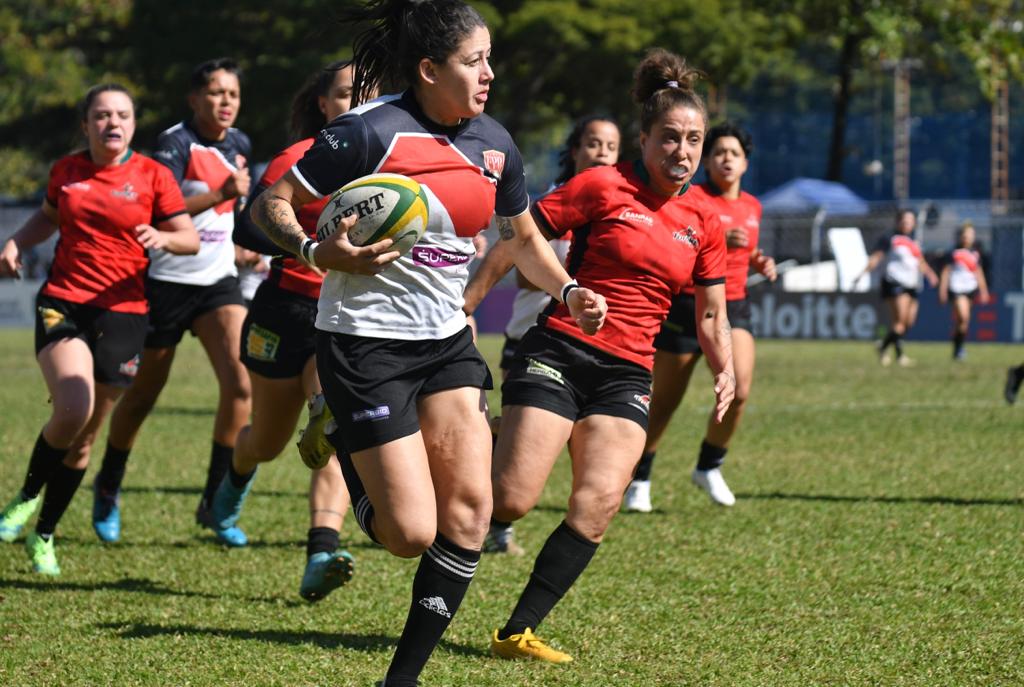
714 484
638 496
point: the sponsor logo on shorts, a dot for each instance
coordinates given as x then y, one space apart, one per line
378 413
494 162
687 235
127 192
438 257
641 402
636 217
535 367
437 605
51 318
130 368
262 344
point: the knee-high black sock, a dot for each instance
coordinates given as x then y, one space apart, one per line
321 540
220 461
445 571
111 473
898 345
563 558
958 343
361 505
890 338
59 491
44 461
644 467
710 457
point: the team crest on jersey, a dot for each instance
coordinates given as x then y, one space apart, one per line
687 235
130 368
494 162
51 318
127 192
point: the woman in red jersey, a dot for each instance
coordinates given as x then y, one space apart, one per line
961 279
110 205
278 347
640 234
726 151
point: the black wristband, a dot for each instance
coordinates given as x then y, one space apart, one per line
569 286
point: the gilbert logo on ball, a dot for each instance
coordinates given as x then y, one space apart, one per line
387 206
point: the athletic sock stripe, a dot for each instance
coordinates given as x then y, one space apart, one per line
459 566
456 559
363 513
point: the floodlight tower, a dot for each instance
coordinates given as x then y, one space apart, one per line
1000 179
901 125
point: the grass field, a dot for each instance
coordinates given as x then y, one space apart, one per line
878 539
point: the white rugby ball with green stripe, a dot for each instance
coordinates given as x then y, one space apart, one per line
388 206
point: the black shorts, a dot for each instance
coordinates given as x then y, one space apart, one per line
508 352
679 330
562 374
371 385
174 307
115 338
278 337
969 295
891 289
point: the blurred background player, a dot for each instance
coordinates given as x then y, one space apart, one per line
900 283
278 343
727 150
962 278
1014 377
640 235
207 156
593 141
110 205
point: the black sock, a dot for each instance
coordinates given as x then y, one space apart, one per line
321 540
44 461
499 524
643 468
898 345
444 574
111 473
710 457
238 480
361 505
1019 372
220 461
890 338
59 491
958 343
563 558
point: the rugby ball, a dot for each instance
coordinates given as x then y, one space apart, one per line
388 206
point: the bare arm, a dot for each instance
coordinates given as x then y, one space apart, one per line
39 227
176 235
236 185
495 265
923 265
944 285
982 284
539 264
715 336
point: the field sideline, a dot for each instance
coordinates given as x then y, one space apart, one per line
878 539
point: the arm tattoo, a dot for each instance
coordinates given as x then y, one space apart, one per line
505 229
272 215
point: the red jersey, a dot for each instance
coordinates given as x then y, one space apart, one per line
286 271
636 248
742 213
97 260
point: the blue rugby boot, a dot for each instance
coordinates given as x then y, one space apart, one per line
106 514
226 509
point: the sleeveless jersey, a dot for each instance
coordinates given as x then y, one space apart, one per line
201 165
902 259
742 213
469 172
636 248
964 264
97 260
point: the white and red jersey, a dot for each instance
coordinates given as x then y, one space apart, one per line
964 264
902 260
469 173
529 303
734 213
98 261
201 165
633 246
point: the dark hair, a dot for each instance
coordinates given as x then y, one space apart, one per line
90 96
402 33
962 229
306 117
726 129
664 81
201 74
566 163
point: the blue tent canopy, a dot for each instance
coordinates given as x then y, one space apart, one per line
808 195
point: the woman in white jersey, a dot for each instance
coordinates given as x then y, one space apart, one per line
903 265
961 280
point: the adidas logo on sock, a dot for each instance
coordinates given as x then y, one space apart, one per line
437 605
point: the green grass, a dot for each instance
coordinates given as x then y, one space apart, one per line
878 539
